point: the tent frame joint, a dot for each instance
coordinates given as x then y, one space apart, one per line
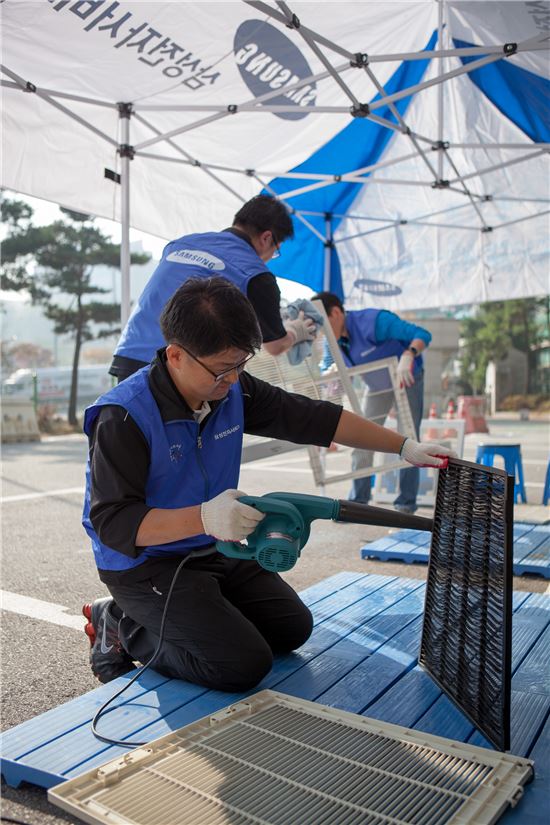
294 22
360 110
360 60
125 110
232 109
441 183
125 150
485 229
440 146
509 49
30 87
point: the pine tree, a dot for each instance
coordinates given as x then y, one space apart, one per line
54 264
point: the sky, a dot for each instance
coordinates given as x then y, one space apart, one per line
46 212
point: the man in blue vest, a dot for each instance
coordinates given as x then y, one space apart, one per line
368 335
240 254
161 487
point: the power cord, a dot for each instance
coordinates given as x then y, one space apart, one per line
101 711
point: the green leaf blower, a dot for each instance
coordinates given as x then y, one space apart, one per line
278 539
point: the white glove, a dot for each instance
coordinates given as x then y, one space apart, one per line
228 519
301 328
405 368
427 454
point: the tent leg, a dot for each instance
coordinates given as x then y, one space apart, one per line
440 90
328 252
126 153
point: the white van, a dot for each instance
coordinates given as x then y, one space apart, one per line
53 384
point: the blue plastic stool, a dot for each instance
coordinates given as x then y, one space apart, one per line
511 453
546 491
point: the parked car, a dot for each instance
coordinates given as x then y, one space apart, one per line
53 384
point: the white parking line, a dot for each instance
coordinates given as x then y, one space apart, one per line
276 468
27 496
37 609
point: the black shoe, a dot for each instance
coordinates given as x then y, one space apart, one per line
107 656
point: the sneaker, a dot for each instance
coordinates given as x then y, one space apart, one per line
107 656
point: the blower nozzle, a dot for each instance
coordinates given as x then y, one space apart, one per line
278 539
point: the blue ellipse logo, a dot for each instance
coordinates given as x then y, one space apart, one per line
377 287
267 60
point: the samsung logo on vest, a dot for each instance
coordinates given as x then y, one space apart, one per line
230 431
195 257
268 60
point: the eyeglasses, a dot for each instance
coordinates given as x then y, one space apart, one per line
220 375
277 252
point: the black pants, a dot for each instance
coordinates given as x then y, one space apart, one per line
225 620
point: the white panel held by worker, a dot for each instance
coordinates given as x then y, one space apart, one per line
365 336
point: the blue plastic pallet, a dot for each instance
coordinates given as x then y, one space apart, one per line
361 657
531 548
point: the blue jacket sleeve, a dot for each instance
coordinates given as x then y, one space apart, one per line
389 325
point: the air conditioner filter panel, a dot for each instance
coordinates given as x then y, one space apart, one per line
273 760
466 633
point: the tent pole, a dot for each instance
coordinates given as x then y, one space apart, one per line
503 165
520 220
328 251
188 159
440 70
296 212
126 155
39 93
499 146
534 43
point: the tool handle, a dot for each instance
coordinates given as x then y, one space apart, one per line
352 511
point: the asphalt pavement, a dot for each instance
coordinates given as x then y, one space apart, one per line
48 572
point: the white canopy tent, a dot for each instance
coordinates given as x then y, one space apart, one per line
409 138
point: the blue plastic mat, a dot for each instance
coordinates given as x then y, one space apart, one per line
361 657
531 548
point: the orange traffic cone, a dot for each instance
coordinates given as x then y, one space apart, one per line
432 433
449 415
471 408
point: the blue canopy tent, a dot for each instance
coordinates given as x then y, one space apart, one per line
410 139
314 256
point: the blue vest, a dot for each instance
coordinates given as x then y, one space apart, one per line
361 327
204 255
187 466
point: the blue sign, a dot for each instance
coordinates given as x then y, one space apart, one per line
267 61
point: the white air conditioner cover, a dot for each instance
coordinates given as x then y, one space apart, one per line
276 759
